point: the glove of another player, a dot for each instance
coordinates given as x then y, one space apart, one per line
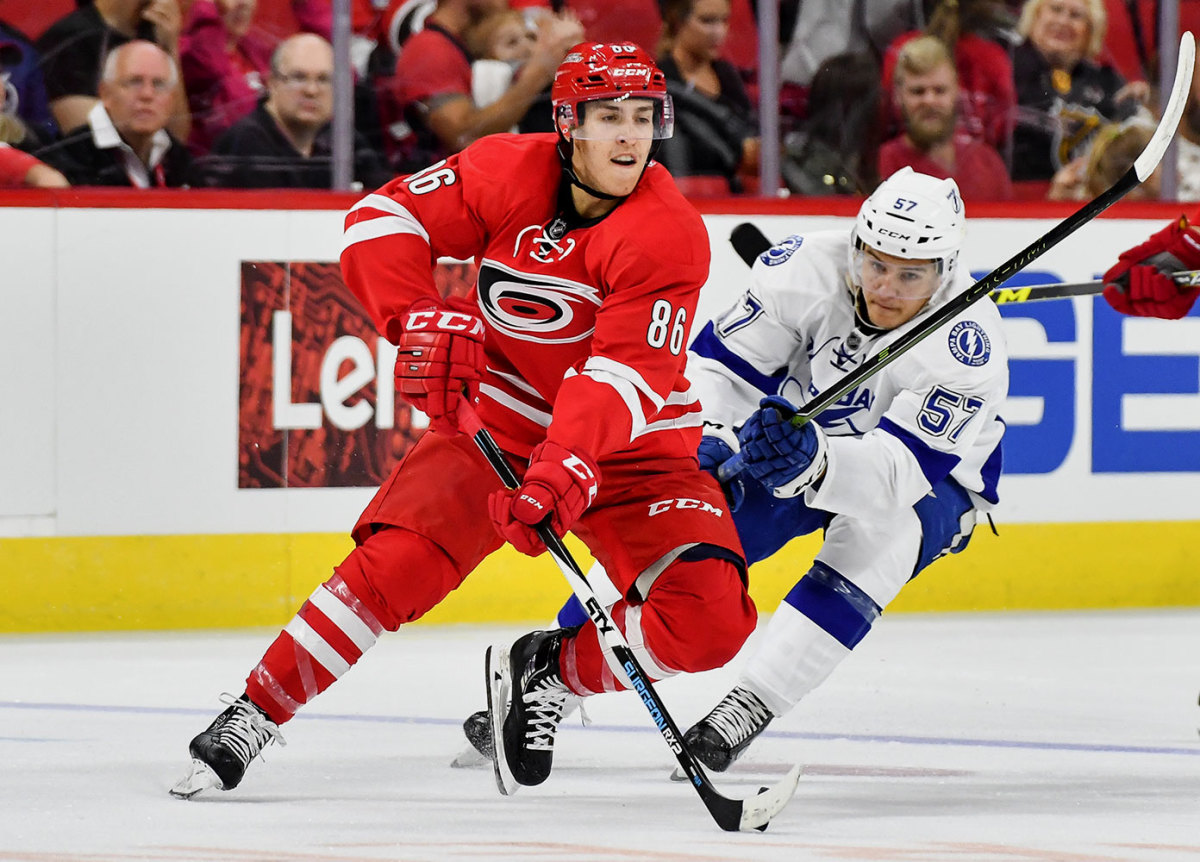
785 458
439 359
717 446
1137 284
559 485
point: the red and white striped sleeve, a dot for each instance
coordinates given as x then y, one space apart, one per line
394 236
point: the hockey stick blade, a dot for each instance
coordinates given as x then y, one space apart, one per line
750 242
923 327
731 815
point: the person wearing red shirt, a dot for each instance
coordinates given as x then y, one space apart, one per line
225 65
926 91
974 31
429 112
18 169
572 349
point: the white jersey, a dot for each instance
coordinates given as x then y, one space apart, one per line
932 413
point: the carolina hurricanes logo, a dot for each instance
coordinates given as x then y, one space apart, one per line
549 246
536 308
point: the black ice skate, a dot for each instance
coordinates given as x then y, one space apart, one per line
477 728
221 754
720 737
526 700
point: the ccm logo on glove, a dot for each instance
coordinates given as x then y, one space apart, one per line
444 320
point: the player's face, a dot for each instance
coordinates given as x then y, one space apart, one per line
927 104
895 288
612 144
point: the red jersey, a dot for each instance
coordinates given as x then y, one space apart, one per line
978 169
14 166
587 321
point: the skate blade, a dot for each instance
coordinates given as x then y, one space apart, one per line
199 778
499 685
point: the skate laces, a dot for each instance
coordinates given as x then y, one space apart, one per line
245 730
739 716
545 704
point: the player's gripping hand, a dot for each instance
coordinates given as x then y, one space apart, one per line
559 485
439 359
785 458
717 446
1141 285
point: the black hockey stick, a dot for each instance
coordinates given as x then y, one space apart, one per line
730 814
1142 168
750 242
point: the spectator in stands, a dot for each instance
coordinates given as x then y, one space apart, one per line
926 91
75 47
973 31
287 140
1189 145
26 107
18 168
500 43
125 141
714 126
225 65
835 149
1064 92
430 103
1113 151
817 30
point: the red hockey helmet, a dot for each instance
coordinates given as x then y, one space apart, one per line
593 71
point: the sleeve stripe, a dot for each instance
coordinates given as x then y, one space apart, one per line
381 227
382 203
626 373
538 417
626 391
935 465
709 346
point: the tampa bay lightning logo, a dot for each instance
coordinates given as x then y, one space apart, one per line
536 308
779 253
969 344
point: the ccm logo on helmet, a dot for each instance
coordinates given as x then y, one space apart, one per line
894 234
683 503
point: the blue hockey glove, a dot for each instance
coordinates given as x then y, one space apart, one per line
783 457
717 446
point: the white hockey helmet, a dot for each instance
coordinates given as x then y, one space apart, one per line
916 217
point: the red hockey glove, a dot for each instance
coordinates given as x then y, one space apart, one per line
439 360
559 484
1137 284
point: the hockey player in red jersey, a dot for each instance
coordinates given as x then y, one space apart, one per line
572 350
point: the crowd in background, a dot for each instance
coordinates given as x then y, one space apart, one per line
1012 99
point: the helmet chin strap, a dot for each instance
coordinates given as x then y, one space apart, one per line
566 152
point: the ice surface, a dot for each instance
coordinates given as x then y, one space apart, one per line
1059 737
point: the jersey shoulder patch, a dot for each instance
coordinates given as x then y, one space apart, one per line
969 343
780 252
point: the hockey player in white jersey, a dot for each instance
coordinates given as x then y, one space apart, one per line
895 472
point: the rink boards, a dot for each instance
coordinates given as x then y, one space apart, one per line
185 391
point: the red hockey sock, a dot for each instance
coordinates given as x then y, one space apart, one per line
697 617
394 577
